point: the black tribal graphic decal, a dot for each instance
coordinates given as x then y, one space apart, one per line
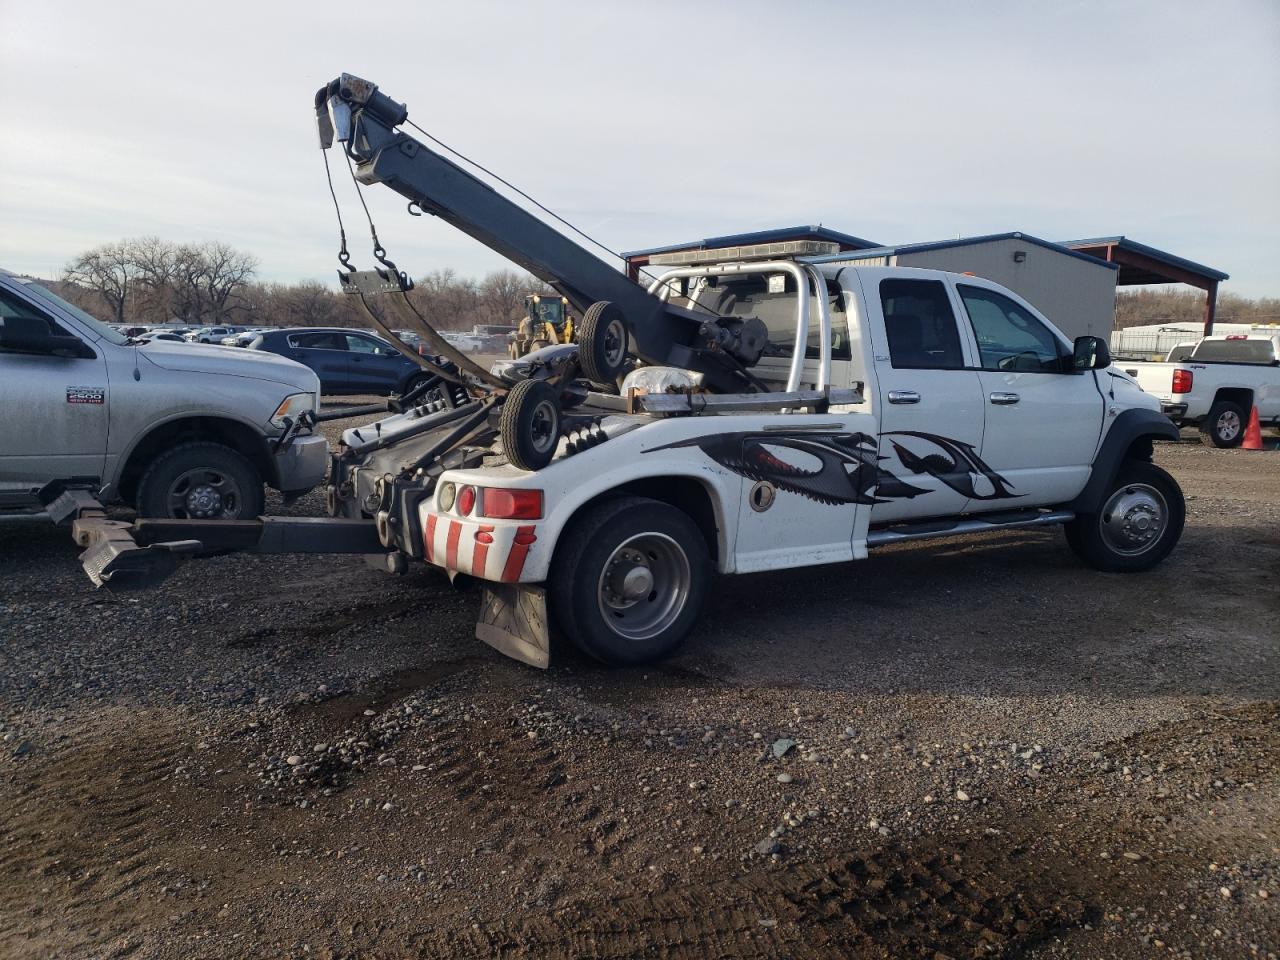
956 466
849 469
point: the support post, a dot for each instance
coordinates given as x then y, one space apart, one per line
1210 306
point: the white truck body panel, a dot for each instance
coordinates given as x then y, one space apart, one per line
954 451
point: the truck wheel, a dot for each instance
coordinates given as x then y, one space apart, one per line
1224 427
417 381
529 424
201 481
629 579
1139 523
602 343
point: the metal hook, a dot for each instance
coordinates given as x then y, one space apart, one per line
344 257
415 213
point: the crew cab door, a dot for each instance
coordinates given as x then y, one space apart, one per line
1043 418
54 423
930 401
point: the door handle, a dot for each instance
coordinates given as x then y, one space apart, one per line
903 396
1005 399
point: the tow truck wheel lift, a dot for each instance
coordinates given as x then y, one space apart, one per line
376 483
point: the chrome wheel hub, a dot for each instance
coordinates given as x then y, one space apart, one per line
644 586
1228 425
1133 519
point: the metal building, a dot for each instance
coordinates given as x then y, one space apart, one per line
1074 290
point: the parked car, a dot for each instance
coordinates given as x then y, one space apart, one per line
465 342
346 361
160 335
195 432
1217 386
243 339
211 334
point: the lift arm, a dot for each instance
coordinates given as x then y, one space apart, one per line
363 120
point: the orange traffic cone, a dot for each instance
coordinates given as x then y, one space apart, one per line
1253 433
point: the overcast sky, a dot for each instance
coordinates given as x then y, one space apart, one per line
652 123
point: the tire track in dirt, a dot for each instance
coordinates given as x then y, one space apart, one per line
85 826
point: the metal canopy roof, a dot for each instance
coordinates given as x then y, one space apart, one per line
803 232
909 248
1140 264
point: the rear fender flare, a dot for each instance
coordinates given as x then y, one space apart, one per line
1130 427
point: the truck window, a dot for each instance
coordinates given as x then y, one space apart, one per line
752 296
921 325
1234 351
11 306
1009 337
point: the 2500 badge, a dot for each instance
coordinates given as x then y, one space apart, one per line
96 395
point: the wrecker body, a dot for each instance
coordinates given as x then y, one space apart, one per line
774 411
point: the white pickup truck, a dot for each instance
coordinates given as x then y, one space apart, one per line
1217 385
177 430
937 404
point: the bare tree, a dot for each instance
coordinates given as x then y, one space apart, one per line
502 293
155 264
311 304
109 272
226 271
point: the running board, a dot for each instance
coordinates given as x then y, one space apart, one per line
902 532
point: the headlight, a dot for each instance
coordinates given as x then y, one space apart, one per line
293 406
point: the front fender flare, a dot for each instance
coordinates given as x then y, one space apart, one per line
1129 426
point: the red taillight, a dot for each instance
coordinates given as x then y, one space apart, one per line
1237 336
499 504
1182 381
466 500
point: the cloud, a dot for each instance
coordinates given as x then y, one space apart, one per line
652 124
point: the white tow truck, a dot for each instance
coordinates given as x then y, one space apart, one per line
1216 386
776 410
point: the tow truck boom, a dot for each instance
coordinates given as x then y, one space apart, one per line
354 113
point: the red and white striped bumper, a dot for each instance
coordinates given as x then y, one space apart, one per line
488 550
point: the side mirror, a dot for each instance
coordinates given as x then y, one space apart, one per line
31 335
1090 353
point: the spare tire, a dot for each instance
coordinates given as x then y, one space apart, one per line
602 343
529 424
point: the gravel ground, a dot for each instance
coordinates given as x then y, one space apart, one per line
959 748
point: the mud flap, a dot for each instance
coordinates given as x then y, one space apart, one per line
513 620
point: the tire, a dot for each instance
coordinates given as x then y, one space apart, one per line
602 343
529 424
416 381
596 615
1116 539
1224 427
172 484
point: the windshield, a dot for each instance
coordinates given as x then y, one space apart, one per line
90 321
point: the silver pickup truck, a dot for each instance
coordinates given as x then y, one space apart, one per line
177 430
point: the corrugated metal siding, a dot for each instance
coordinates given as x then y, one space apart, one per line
1077 296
